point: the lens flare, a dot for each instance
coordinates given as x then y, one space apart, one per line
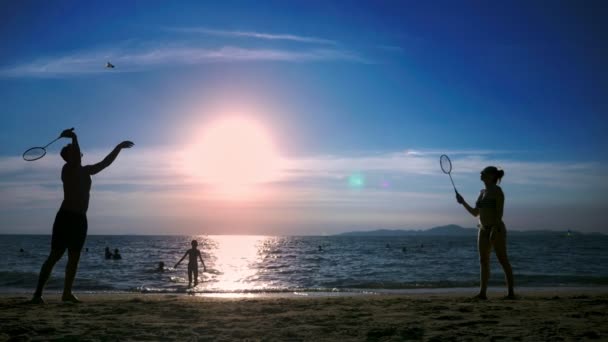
356 180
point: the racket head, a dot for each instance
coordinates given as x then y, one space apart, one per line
34 153
446 164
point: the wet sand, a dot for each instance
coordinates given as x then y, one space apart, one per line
575 315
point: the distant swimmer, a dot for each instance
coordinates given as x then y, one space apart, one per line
161 267
116 255
320 248
388 245
109 65
493 232
404 249
21 250
108 253
192 253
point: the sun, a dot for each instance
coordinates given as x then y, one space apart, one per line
234 155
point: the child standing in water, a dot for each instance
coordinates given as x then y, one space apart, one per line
193 263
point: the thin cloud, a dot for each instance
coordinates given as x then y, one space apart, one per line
94 62
317 171
391 48
438 153
252 34
313 190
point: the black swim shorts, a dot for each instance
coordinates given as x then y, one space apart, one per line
69 230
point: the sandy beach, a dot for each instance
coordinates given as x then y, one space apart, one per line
536 316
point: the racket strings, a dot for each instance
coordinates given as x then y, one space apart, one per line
34 153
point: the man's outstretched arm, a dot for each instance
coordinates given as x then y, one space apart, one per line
96 168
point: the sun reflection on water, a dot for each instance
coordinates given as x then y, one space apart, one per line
234 260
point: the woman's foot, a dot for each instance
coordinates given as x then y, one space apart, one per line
70 298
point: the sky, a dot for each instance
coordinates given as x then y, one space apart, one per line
337 113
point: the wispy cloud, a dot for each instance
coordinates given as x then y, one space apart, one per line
311 191
252 34
318 172
132 61
465 163
391 48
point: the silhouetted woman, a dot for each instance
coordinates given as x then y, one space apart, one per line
492 233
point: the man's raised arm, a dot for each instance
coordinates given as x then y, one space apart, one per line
69 133
96 168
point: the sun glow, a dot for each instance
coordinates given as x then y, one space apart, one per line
233 155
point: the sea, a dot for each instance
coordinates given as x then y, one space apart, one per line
305 264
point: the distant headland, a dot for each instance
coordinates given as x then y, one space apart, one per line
452 230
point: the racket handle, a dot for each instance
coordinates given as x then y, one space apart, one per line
47 145
454 186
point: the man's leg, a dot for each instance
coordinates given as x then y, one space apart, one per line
45 272
70 274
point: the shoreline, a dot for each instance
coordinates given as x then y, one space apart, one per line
296 293
537 315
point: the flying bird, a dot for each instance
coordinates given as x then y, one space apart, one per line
109 65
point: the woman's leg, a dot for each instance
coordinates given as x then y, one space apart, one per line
189 276
500 248
484 247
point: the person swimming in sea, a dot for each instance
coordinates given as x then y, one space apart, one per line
493 232
116 255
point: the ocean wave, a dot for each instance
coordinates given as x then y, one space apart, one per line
344 265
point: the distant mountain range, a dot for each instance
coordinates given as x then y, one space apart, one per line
449 230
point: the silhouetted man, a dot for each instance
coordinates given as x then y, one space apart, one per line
70 227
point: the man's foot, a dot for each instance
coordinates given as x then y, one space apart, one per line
510 296
195 284
70 299
37 300
480 297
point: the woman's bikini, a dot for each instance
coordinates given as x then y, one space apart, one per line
485 203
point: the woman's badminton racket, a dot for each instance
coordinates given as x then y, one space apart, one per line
446 167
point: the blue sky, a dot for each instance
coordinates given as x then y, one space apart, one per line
373 89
